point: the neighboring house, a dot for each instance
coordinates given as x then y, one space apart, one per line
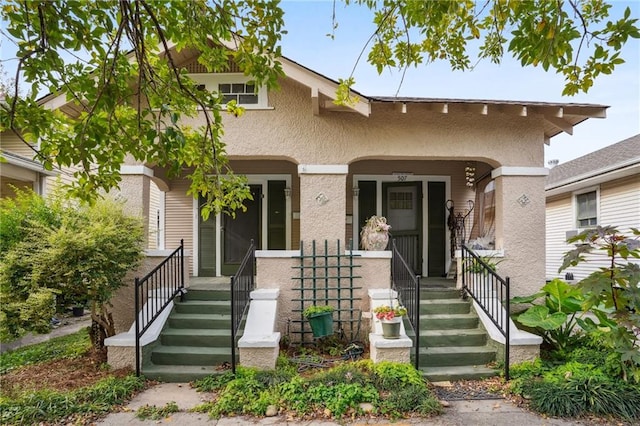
18 169
600 188
318 170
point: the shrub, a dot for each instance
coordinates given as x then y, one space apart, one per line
81 256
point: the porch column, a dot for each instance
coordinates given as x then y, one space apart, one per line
520 226
323 202
135 188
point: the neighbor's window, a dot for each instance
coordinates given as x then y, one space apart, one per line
242 93
586 209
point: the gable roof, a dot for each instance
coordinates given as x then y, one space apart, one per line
617 160
557 117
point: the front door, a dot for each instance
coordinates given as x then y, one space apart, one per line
238 232
402 205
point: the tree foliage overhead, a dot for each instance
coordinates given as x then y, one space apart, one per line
118 64
572 37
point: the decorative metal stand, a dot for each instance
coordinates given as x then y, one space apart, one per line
457 225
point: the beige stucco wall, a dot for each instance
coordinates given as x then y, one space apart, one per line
424 139
291 131
520 231
374 271
124 298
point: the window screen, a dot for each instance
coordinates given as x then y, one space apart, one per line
587 212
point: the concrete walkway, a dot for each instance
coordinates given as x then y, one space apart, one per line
68 325
496 412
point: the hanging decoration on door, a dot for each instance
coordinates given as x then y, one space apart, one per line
456 222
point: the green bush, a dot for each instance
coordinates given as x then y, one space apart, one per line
79 253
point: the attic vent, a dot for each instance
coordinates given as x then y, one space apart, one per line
194 67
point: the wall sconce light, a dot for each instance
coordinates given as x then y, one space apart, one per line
287 192
404 107
356 191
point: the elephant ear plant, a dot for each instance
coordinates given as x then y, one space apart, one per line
612 293
555 318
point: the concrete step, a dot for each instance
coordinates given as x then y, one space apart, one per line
203 307
207 294
456 356
209 321
448 321
464 337
439 293
190 355
444 306
467 372
179 373
196 337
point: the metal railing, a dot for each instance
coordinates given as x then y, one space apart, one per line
407 284
166 281
242 284
490 291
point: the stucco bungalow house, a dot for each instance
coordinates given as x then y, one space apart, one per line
318 171
600 188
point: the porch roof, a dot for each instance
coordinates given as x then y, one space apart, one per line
558 117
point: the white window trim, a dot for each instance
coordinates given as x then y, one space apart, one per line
574 202
212 80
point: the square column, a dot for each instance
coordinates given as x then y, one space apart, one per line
520 226
323 202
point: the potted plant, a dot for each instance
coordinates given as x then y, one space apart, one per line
390 317
375 233
320 319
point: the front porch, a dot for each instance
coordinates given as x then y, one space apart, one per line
442 335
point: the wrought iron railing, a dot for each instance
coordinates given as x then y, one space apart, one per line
490 291
166 281
242 284
407 284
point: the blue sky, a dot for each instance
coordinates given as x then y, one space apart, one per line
308 22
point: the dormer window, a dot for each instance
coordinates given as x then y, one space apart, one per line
242 93
234 87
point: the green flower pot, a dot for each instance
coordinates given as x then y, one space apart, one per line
321 324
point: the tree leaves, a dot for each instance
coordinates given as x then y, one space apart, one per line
118 65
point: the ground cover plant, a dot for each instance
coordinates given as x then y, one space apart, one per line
591 330
61 381
348 389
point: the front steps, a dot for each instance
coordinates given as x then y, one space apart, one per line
196 340
453 346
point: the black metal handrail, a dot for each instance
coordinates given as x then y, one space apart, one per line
407 284
490 291
167 281
242 284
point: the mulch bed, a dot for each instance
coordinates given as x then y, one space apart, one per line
462 390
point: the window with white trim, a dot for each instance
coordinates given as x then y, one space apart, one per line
587 209
242 93
234 87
